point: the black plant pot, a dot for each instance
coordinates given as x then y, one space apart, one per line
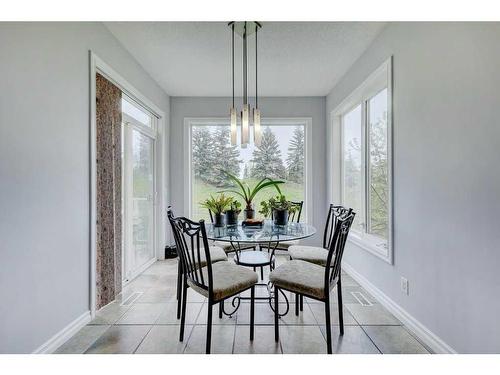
219 220
280 217
249 213
231 217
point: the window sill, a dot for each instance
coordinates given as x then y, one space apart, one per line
372 244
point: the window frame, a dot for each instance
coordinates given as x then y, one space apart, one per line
379 80
189 122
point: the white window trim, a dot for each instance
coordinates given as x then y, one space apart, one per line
97 65
131 124
189 122
379 79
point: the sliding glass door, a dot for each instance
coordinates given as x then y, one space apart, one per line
139 188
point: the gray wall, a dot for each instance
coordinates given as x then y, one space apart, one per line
446 177
313 107
44 172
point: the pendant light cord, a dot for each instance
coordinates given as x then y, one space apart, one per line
245 90
256 80
232 56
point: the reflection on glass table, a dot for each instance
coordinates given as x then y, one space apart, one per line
268 232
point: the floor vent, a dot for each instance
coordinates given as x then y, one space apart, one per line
363 301
131 299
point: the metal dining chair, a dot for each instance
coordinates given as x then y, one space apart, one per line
315 254
315 281
216 281
217 254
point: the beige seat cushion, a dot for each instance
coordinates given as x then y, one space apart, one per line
228 248
282 245
312 254
216 255
228 279
300 277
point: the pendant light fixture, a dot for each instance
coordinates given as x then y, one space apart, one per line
245 29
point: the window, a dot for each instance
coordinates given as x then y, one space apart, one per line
282 155
364 125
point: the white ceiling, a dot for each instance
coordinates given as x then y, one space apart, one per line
295 58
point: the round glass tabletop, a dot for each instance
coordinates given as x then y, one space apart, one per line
268 232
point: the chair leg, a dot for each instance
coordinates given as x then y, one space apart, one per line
301 302
297 302
183 317
341 307
220 309
262 273
252 311
179 290
328 327
209 326
276 315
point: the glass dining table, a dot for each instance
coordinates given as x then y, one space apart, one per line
264 240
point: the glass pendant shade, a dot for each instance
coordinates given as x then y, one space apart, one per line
234 131
245 132
256 127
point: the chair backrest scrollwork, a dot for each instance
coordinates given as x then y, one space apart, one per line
343 223
193 250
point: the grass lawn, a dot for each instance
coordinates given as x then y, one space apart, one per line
202 191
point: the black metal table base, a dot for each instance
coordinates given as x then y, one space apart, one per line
236 301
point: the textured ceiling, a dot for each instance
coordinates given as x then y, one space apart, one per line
295 58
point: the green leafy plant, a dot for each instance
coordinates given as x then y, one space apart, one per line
234 206
247 193
217 205
276 203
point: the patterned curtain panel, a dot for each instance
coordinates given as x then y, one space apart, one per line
109 184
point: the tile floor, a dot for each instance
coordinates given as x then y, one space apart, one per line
143 320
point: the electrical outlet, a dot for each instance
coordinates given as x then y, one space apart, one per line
404 286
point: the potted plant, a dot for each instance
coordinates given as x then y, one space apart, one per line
279 208
248 194
232 213
217 206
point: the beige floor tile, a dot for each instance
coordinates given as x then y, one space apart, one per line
263 342
394 340
158 296
202 317
169 313
164 339
305 317
371 315
109 314
82 340
354 341
318 310
302 340
142 313
119 340
222 339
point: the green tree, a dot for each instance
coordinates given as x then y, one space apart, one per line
246 171
266 158
202 142
379 184
223 156
295 159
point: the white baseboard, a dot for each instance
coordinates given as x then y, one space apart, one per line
63 335
435 343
